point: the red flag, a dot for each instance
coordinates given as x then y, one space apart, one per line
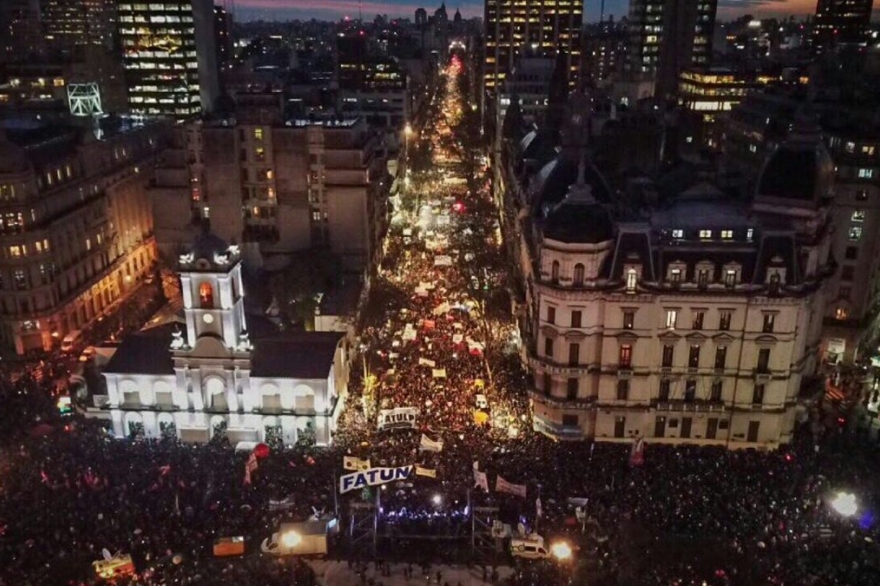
44 476
164 470
250 468
637 455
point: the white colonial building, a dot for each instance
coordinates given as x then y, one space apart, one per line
210 377
694 319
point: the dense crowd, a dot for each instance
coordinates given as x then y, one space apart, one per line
688 515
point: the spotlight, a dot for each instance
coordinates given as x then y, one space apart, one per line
561 551
437 499
845 504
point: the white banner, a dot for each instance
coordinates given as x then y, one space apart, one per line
399 418
352 463
429 472
439 373
442 260
481 480
430 445
373 477
427 362
441 309
502 485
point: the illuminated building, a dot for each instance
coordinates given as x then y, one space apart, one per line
371 86
170 57
605 46
694 320
211 377
512 26
669 36
277 186
709 93
840 22
223 32
71 23
75 226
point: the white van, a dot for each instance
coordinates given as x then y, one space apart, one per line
71 341
530 548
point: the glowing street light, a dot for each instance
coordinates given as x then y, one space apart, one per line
845 504
291 539
561 551
408 130
437 500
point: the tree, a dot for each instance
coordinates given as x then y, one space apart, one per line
295 287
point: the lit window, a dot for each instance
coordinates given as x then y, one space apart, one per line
750 233
866 173
841 313
678 233
258 134
858 216
631 279
15 251
730 277
855 233
705 233
726 234
671 318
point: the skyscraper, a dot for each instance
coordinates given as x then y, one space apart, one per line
170 56
514 25
668 36
840 22
68 24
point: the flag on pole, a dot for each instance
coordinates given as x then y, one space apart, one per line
637 455
250 468
539 510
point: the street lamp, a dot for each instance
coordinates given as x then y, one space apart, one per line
291 539
561 551
844 503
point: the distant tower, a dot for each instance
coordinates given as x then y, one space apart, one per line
421 17
668 36
841 22
457 18
512 25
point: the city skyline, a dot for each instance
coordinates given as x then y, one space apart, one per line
333 9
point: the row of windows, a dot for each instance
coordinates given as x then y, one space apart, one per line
715 395
667 359
698 317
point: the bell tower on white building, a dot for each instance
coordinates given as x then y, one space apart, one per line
213 296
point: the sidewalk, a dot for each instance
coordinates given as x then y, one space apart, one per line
337 573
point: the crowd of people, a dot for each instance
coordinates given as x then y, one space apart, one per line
686 515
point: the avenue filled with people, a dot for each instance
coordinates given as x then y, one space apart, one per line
431 341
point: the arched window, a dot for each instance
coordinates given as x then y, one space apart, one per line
206 295
554 272
578 275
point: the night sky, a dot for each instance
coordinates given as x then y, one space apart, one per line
334 9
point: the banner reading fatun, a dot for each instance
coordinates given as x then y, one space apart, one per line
373 477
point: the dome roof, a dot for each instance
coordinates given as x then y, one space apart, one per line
553 181
12 157
799 169
579 218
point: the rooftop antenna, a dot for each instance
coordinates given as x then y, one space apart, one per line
602 13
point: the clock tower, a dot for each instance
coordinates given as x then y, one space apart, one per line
213 295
